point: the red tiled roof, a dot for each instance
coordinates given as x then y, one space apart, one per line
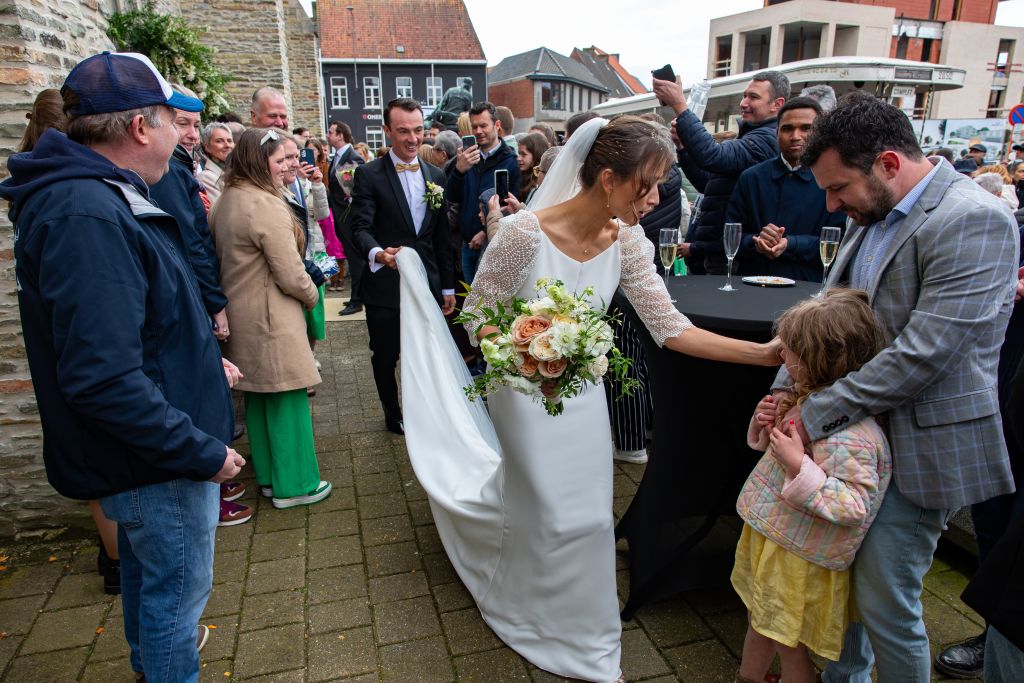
427 29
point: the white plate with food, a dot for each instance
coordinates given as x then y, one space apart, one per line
768 281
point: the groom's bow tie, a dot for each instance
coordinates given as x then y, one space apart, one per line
407 167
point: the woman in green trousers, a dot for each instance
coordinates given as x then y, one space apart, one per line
260 247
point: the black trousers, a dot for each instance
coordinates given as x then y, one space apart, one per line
631 416
384 327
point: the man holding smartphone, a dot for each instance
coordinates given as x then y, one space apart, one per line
474 172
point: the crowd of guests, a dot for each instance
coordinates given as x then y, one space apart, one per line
206 266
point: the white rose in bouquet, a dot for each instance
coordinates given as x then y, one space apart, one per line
598 367
543 306
542 348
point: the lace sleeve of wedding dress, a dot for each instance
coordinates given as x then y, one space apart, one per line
644 289
505 264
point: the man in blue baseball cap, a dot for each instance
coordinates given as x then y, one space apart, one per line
133 394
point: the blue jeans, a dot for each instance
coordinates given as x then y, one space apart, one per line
887 578
470 260
1004 662
165 537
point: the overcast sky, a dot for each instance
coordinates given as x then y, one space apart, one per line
645 33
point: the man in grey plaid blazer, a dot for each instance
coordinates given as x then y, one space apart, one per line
938 259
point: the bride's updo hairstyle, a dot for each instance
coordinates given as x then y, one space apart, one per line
633 149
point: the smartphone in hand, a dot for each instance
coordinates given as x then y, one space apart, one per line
307 156
665 73
468 141
501 186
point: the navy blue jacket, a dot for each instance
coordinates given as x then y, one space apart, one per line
713 168
177 193
771 193
124 364
464 189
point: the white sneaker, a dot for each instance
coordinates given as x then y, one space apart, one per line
204 635
321 492
634 457
267 491
317 364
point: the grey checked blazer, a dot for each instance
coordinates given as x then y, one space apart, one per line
942 293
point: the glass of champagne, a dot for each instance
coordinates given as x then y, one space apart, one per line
732 233
668 241
828 247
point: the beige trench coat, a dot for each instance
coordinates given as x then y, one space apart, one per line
267 286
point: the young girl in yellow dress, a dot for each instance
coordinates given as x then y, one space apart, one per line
807 508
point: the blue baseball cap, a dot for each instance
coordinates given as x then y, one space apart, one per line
119 81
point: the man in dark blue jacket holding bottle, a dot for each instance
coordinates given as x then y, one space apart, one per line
133 394
714 167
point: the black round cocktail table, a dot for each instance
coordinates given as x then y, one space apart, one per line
698 458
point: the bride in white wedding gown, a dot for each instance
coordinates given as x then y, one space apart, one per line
523 505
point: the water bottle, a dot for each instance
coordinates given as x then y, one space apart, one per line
697 100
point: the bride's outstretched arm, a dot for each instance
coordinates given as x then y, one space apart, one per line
703 344
646 291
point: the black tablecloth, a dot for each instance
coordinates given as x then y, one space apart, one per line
699 458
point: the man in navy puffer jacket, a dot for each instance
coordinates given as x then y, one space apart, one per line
132 394
714 167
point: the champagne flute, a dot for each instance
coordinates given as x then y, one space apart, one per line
731 235
828 247
668 242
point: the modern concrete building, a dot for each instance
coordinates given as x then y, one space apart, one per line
957 33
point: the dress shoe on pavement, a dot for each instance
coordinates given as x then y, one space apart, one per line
963 660
395 426
350 309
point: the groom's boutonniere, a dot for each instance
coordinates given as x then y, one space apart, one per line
434 196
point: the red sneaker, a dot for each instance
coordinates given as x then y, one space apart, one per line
233 513
232 490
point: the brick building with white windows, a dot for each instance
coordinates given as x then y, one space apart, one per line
373 51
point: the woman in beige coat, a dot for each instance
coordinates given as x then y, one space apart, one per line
260 247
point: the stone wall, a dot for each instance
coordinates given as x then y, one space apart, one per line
303 47
40 41
249 37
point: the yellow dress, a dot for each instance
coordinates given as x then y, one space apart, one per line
791 600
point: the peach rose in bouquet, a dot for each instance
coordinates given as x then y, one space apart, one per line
526 327
552 369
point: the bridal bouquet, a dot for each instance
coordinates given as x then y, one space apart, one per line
550 347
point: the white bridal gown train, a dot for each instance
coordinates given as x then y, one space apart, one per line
523 505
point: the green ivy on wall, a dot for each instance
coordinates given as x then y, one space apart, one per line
175 50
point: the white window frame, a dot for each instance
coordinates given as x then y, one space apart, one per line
339 92
435 89
403 90
371 92
374 137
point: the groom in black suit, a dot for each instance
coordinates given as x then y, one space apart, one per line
339 137
398 202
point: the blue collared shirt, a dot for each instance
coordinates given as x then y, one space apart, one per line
879 235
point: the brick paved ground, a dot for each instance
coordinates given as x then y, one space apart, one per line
357 588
